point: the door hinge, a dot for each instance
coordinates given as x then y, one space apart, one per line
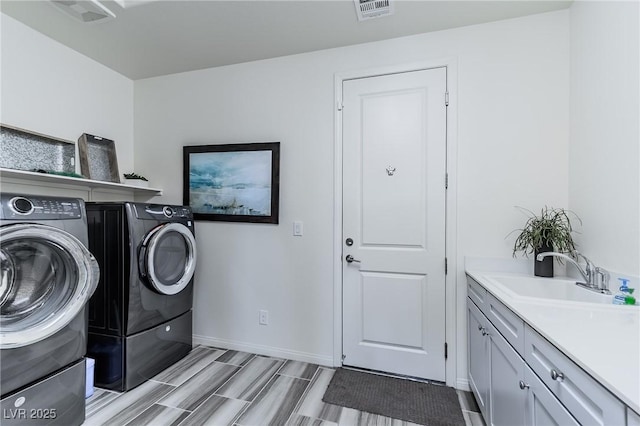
343 357
446 181
340 106
446 350
446 266
446 98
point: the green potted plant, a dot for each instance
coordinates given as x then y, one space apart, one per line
549 231
135 180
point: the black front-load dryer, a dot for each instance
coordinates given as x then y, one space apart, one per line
140 314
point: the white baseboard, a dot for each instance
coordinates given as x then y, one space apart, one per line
463 384
326 360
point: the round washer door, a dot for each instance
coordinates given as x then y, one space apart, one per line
168 257
46 277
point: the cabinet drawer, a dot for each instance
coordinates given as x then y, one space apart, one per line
584 397
508 324
476 292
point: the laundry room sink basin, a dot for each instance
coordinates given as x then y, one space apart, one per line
548 288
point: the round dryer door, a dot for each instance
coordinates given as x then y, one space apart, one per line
46 277
168 257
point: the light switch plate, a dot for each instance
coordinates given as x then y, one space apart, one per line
297 228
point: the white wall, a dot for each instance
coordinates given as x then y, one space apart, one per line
512 138
50 89
604 184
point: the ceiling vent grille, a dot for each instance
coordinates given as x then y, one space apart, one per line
370 9
84 10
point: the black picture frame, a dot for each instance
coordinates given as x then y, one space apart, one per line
233 182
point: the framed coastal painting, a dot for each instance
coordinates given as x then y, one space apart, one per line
232 182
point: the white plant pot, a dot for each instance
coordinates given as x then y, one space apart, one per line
137 182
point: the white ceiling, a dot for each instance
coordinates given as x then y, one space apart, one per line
170 36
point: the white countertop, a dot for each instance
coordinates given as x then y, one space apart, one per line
602 339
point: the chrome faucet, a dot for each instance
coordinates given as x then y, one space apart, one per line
595 278
602 280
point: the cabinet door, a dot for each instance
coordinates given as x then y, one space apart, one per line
507 400
477 349
543 408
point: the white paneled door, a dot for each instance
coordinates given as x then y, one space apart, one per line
394 177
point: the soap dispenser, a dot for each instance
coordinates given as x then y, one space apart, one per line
625 294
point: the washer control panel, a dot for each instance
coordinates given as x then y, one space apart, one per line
28 208
177 211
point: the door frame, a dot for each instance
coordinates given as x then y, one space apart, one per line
451 308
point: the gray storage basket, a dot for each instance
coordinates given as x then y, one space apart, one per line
24 150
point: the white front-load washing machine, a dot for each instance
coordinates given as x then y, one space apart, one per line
47 276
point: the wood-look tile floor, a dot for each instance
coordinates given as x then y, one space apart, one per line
223 387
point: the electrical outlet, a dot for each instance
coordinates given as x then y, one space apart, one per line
264 317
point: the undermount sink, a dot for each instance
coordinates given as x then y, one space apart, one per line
549 288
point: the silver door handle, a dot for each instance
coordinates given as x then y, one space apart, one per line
350 259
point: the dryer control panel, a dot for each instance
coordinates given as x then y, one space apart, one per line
27 207
162 212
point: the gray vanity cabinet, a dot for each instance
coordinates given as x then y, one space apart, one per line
508 392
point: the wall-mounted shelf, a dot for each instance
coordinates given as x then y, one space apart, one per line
89 184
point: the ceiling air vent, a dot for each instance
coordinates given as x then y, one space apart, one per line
369 9
84 10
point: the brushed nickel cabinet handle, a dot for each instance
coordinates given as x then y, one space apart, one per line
557 376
